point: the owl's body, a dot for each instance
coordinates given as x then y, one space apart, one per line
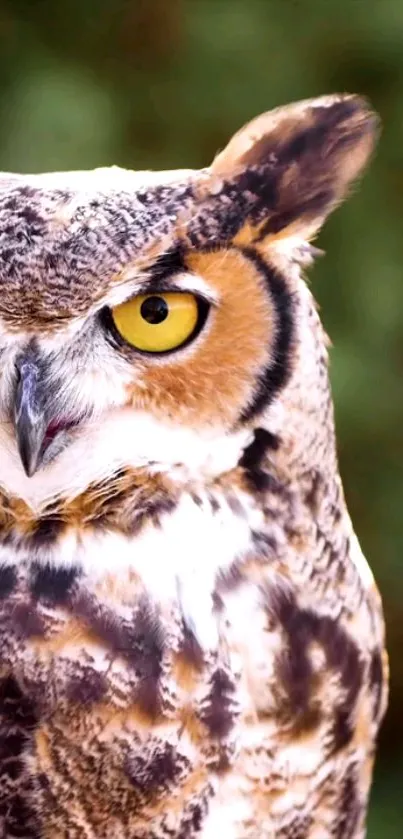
191 641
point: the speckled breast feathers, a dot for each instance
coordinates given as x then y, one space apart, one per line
191 641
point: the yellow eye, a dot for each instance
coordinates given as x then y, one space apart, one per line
157 322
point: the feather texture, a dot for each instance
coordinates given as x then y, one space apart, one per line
191 641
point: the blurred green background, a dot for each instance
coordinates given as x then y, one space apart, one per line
163 84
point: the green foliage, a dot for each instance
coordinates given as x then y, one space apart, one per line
164 83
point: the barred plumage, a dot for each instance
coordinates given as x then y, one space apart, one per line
192 644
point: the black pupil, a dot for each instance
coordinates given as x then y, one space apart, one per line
154 309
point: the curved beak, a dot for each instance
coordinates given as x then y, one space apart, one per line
29 413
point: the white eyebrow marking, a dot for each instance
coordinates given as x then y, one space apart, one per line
194 282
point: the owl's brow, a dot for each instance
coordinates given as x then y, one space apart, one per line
189 281
184 282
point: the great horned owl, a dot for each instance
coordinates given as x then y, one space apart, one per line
192 643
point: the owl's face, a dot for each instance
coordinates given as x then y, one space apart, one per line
152 320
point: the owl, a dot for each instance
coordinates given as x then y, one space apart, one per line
192 643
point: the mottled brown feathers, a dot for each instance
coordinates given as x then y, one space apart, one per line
295 163
76 242
191 642
64 247
124 503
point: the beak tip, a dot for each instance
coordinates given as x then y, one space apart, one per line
29 471
29 463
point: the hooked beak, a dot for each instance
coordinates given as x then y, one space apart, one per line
37 424
29 413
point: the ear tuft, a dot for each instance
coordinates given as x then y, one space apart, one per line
285 171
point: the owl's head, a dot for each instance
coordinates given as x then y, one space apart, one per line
156 319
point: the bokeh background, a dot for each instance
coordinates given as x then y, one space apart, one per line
163 84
